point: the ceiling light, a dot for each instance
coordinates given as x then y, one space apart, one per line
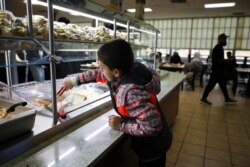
219 5
145 10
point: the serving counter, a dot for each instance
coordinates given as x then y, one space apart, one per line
85 139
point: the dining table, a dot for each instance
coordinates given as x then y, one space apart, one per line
172 67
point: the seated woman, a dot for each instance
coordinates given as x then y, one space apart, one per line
194 68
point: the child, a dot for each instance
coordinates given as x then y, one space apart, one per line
133 89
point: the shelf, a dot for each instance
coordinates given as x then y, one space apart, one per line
27 43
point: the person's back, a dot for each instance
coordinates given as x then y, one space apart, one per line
175 58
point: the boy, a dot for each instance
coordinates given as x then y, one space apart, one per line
133 89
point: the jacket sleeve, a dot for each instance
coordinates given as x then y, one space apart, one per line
90 76
145 118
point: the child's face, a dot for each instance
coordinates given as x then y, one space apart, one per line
108 73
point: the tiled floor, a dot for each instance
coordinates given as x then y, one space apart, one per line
210 136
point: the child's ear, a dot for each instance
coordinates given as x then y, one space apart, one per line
117 73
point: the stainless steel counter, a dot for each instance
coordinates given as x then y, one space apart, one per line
83 144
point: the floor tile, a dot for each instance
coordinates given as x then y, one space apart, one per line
189 160
210 136
213 163
193 149
219 155
240 160
220 145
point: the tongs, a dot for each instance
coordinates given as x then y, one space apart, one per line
13 107
60 91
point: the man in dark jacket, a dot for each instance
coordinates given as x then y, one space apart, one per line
218 75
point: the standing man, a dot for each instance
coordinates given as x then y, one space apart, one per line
217 75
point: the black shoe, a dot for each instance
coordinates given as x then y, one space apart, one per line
206 101
230 100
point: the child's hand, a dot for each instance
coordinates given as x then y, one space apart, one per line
67 83
114 122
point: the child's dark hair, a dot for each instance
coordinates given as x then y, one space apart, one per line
117 54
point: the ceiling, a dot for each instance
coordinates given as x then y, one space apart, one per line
191 8
162 9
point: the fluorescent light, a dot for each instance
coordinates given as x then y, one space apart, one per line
131 10
219 5
148 10
145 10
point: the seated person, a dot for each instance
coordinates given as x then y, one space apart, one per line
194 67
230 70
176 59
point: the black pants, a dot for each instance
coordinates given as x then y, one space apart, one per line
216 77
159 162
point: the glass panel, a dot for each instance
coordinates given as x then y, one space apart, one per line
195 24
228 22
178 33
173 43
241 22
199 33
208 44
184 23
205 23
188 35
233 33
244 44
248 42
200 23
169 24
246 32
222 22
193 43
184 33
178 43
203 43
160 24
174 23
238 44
179 23
227 31
168 33
189 23
187 43
211 22
197 43
174 33
194 33
183 43
204 33
209 33
247 22
239 32
234 22
165 24
216 22
168 43
216 32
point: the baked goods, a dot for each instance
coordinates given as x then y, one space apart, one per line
6 19
41 103
3 112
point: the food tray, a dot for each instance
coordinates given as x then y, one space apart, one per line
17 122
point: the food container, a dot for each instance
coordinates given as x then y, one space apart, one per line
17 122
